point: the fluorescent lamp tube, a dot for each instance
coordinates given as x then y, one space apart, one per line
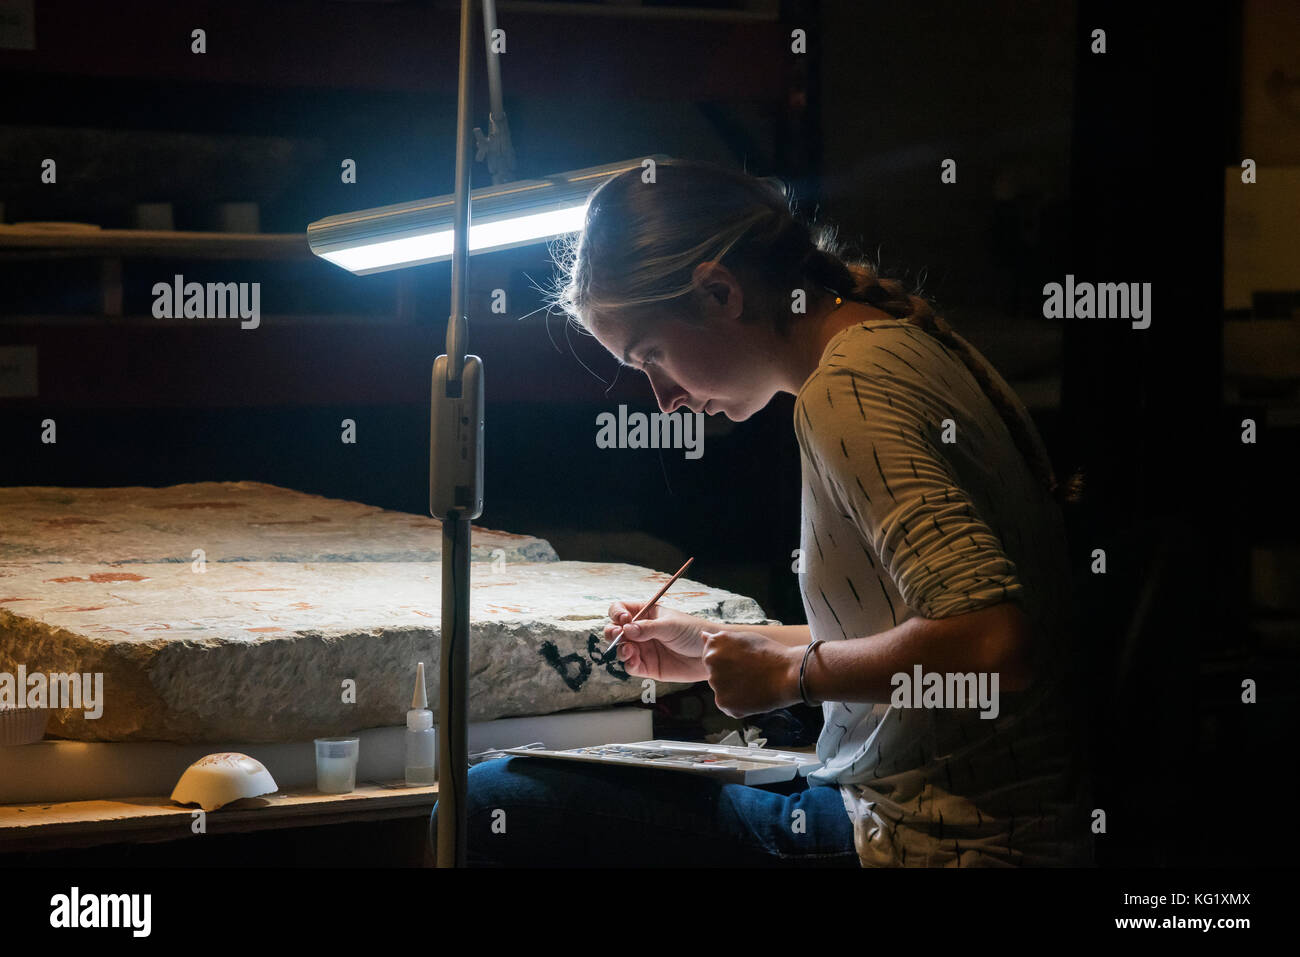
501 216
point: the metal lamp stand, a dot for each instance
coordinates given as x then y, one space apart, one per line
456 451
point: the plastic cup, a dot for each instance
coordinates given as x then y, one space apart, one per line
336 764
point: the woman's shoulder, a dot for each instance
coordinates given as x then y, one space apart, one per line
889 350
887 374
863 338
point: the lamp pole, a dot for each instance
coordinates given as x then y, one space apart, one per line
496 147
456 494
456 391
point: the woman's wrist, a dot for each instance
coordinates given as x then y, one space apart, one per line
795 675
790 686
808 660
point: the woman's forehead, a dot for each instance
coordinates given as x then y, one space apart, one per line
618 334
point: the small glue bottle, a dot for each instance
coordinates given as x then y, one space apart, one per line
421 756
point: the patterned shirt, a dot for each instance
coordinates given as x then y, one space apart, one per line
916 501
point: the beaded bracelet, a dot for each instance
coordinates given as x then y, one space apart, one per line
803 692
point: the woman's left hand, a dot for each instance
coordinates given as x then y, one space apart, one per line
750 673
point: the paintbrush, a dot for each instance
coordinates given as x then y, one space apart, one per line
651 603
740 723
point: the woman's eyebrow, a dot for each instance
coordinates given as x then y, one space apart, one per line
627 353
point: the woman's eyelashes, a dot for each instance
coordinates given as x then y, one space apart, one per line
638 364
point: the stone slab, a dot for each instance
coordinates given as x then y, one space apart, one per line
230 522
265 651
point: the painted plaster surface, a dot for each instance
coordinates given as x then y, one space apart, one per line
272 651
305 617
230 522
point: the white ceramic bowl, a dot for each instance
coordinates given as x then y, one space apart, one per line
218 779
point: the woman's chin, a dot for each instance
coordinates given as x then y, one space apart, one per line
745 412
714 407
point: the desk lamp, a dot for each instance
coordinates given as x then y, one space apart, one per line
507 214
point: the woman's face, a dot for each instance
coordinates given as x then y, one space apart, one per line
718 365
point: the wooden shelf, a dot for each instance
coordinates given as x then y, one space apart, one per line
17 242
41 827
111 246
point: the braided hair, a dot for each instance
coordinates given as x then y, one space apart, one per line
860 281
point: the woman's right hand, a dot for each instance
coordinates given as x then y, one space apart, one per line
664 644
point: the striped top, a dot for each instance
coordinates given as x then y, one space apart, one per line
916 501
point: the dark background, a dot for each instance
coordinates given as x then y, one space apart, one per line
1110 167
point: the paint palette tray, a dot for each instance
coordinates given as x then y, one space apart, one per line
728 763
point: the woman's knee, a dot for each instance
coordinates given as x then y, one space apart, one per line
489 785
488 788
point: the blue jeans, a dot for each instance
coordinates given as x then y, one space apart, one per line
546 812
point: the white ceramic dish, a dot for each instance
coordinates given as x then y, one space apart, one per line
218 779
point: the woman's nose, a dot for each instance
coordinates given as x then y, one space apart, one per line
667 393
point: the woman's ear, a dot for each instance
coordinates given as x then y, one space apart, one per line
718 290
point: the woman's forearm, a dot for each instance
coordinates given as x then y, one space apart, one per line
862 669
792 635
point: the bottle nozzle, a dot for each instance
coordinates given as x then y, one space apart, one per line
419 700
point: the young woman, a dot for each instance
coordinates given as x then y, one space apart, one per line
932 543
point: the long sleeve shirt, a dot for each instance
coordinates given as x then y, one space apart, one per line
916 501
